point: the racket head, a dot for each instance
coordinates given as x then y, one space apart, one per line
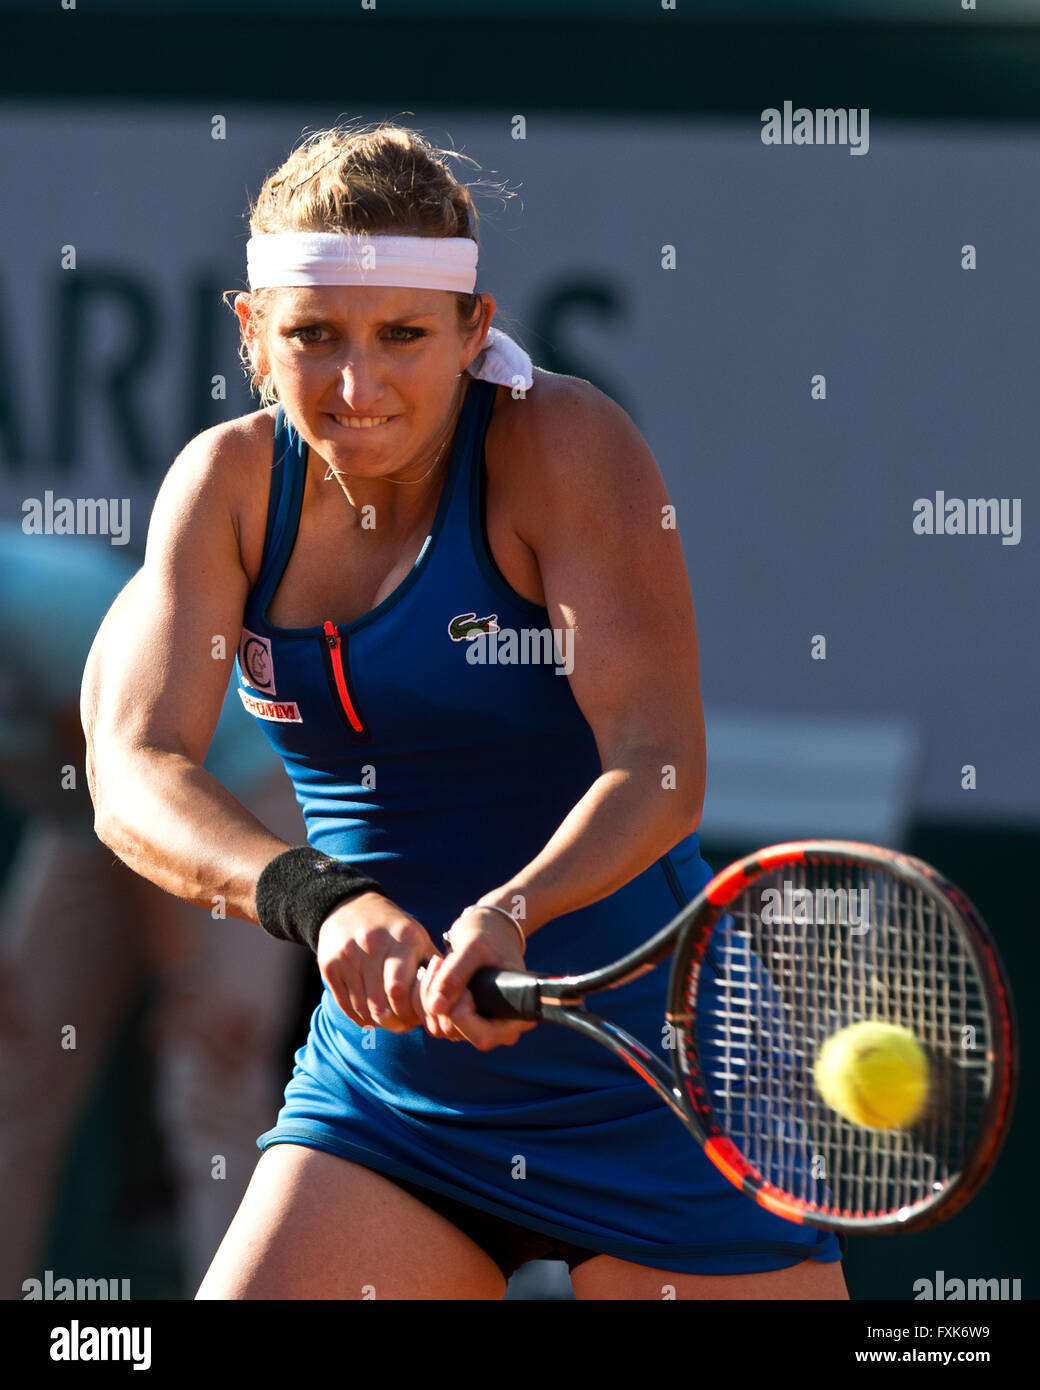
761 977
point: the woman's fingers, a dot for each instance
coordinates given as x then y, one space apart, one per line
437 1025
478 940
486 1033
369 955
395 1010
449 984
462 1023
373 972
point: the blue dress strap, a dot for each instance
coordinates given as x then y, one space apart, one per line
285 501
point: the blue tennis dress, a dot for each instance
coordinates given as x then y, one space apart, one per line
442 775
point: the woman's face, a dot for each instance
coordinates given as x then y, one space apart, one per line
367 374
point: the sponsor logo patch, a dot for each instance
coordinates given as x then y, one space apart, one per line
280 712
254 655
465 625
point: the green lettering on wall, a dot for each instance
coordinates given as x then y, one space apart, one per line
559 306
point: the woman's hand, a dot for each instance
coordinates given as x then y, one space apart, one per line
478 939
369 954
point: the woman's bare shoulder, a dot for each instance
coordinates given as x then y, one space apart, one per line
242 441
561 446
549 399
560 429
231 446
228 466
555 418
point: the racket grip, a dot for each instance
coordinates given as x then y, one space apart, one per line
506 994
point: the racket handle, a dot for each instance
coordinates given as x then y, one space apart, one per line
506 994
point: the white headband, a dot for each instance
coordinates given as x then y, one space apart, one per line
279 259
282 260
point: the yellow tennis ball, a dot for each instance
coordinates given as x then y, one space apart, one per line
873 1073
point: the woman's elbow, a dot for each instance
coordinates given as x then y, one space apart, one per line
688 789
106 825
689 818
108 779
681 781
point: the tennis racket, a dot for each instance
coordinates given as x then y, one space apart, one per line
777 953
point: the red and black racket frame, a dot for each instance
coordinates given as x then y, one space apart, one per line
561 999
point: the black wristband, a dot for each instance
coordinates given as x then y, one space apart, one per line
299 888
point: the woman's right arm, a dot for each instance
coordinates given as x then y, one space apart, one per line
154 685
153 688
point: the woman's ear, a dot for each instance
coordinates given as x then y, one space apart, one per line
241 307
475 339
250 335
488 305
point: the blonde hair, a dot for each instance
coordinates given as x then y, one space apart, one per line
383 179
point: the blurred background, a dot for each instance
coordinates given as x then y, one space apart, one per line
814 360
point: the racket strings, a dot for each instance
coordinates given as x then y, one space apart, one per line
801 954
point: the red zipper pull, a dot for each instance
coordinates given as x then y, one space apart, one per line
332 637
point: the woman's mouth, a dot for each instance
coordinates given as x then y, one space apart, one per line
362 422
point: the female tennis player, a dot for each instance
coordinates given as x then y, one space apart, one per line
464 623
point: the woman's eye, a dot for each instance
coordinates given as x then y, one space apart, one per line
300 335
304 335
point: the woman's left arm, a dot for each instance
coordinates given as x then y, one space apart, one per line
596 515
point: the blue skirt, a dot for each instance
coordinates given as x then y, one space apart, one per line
555 1133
